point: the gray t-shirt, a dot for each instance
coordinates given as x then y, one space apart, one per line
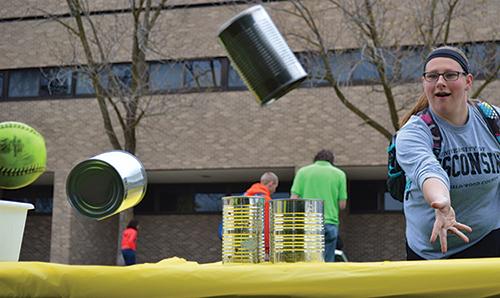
469 164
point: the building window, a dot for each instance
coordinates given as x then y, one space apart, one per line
24 83
352 66
203 74
116 79
41 196
120 78
314 68
84 84
483 58
348 67
55 81
165 76
233 79
208 202
186 198
186 75
370 196
409 63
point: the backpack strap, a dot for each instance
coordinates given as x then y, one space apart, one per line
490 115
426 116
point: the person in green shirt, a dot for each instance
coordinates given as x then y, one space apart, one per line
322 180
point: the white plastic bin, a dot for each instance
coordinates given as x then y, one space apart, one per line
12 221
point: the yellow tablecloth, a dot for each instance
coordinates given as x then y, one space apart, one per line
179 278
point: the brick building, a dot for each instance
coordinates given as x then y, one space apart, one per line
212 141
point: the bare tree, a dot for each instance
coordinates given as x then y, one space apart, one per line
123 96
389 37
126 92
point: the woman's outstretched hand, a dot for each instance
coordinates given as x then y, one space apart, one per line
445 223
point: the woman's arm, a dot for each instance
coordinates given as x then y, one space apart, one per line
414 149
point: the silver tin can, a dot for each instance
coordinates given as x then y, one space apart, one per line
297 231
242 229
106 184
261 55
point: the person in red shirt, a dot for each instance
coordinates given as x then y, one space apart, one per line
267 186
129 242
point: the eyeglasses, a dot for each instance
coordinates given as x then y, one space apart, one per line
448 76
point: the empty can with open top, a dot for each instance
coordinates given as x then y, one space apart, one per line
297 231
242 229
261 55
106 184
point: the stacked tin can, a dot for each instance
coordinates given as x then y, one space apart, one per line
242 229
297 231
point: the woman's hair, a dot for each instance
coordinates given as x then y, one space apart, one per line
133 223
421 104
444 51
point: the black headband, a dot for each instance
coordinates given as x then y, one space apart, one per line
448 53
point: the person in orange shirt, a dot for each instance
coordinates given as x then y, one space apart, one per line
267 186
129 242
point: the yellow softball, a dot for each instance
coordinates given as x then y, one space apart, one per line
23 155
